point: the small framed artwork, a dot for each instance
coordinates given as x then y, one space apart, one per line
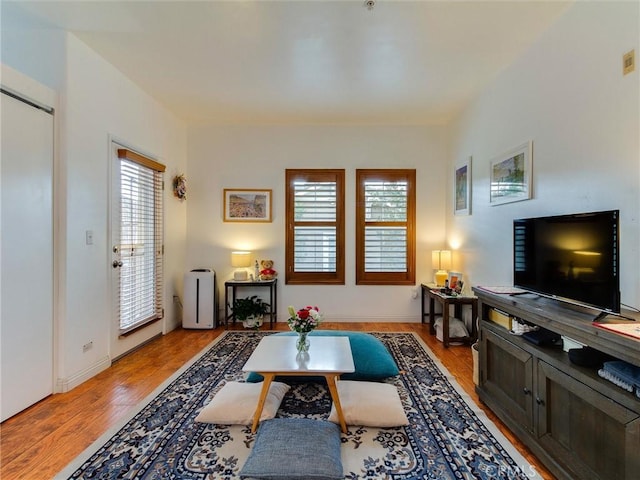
247 205
462 189
454 279
511 176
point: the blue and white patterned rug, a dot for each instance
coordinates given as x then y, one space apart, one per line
448 436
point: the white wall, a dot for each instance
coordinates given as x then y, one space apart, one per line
256 157
97 103
100 103
568 95
28 46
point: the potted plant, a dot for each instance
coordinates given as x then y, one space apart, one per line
250 311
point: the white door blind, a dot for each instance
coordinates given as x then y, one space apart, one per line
140 245
314 226
385 232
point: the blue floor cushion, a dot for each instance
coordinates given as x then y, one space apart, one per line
295 449
371 358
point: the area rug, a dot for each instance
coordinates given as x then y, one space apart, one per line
448 436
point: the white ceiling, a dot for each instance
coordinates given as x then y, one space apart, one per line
334 62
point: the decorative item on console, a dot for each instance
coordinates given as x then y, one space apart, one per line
455 282
267 272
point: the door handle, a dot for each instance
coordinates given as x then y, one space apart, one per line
116 264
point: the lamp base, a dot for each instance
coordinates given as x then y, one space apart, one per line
240 275
441 277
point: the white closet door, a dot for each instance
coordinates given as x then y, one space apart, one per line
26 308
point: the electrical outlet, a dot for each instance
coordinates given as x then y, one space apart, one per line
88 237
414 293
87 346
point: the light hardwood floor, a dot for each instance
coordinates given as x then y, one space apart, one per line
40 441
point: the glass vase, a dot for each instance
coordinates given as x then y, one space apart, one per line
302 342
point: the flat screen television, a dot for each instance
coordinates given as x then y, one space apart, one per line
573 258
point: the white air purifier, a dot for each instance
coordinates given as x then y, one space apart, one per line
200 299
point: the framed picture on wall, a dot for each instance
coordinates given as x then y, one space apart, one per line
247 205
511 176
462 189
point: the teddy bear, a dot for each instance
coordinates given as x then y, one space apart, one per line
267 273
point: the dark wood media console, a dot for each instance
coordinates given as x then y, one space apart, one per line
577 423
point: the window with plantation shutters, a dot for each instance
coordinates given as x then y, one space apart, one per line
385 227
315 227
139 250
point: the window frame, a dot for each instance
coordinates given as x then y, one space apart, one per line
314 278
386 278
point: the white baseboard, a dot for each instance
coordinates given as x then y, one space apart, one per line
373 319
64 385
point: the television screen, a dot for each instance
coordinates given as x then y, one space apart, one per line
570 257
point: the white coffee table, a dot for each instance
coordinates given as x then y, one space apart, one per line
277 356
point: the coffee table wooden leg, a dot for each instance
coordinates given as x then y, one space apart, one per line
333 389
268 377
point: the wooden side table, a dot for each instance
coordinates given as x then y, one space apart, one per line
233 285
434 295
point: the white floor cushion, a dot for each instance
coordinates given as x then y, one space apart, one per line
236 403
371 404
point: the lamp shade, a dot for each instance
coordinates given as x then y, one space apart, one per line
441 259
240 259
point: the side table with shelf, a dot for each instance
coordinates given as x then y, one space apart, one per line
230 286
446 301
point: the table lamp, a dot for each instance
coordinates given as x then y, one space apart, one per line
442 260
240 260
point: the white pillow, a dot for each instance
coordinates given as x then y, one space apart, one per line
236 403
369 404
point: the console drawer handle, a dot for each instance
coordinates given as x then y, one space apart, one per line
526 391
539 401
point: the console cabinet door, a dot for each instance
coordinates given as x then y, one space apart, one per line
586 432
507 375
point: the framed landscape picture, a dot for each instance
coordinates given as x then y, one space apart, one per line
511 176
247 205
462 189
